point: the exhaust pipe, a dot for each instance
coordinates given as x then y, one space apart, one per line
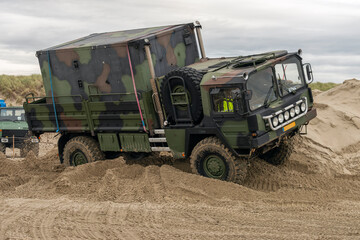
155 95
200 40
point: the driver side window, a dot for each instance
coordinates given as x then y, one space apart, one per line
223 99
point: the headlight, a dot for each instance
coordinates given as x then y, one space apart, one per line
275 121
286 115
292 112
303 107
4 140
297 109
281 118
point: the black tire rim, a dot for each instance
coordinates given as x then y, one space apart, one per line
78 158
214 167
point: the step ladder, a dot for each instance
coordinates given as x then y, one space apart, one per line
158 142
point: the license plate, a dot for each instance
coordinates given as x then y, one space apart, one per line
289 126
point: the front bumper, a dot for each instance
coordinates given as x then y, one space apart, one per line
264 139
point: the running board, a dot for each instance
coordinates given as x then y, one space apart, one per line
157 140
159 131
160 149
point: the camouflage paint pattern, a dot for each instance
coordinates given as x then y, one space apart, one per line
92 84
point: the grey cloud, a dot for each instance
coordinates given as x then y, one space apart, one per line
325 30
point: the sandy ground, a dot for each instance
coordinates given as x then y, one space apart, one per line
316 195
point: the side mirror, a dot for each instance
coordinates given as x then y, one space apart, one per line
309 75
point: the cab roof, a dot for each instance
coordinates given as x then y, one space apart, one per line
235 70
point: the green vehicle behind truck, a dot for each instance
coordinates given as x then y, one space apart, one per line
143 91
14 131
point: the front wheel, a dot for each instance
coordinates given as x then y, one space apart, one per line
82 149
210 158
279 155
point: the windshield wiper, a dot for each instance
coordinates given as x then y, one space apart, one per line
267 96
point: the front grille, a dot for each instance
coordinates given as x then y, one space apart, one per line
16 133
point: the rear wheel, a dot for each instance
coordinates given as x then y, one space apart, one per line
210 158
82 149
2 148
279 155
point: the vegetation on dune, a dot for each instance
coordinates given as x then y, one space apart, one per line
323 86
14 88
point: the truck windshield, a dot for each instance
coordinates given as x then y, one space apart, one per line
261 85
12 114
288 76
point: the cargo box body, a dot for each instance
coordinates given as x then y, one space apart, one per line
99 63
90 80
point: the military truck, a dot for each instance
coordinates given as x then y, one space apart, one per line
139 92
14 131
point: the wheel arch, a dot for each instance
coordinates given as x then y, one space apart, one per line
194 136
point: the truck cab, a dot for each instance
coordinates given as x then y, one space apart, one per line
257 99
252 106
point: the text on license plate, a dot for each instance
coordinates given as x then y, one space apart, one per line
289 126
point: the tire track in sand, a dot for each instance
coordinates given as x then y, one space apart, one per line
44 220
7 218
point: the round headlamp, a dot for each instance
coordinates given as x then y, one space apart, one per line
297 109
275 121
303 107
292 112
286 115
281 118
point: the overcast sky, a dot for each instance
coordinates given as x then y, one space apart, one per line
328 31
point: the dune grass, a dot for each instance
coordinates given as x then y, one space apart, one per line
323 86
14 88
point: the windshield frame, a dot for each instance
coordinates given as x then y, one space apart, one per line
284 92
273 87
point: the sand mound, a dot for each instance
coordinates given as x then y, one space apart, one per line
329 151
333 138
316 193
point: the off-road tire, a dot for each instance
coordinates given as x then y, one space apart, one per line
28 146
279 155
2 148
88 146
236 168
192 79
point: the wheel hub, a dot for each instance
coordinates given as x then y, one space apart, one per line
214 166
79 158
